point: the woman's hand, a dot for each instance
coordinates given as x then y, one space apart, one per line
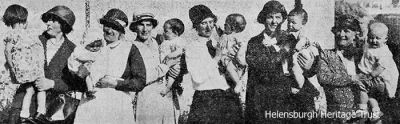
306 60
107 82
235 49
83 70
43 84
172 61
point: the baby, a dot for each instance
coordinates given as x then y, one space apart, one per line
232 40
297 19
172 48
85 57
25 56
379 73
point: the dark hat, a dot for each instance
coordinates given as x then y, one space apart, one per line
116 19
200 12
142 17
62 12
271 7
346 22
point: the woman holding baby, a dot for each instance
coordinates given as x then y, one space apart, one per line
337 68
268 88
123 67
58 80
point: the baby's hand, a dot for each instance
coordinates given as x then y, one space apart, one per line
164 92
303 41
294 90
238 88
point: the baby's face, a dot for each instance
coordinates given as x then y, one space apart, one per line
295 23
376 38
94 46
168 33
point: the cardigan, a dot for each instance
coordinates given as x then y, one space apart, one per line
56 70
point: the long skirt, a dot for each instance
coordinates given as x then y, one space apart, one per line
215 106
152 108
109 106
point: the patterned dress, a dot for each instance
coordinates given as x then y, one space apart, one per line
24 54
7 88
337 82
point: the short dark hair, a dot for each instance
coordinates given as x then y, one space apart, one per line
269 8
177 26
15 14
299 11
231 19
65 28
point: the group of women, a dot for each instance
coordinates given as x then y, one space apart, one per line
133 71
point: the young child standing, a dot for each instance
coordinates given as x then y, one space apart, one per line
170 48
297 19
379 73
25 56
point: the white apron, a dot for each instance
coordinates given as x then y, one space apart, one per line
109 106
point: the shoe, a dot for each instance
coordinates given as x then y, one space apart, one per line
41 119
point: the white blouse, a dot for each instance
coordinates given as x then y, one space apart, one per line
202 67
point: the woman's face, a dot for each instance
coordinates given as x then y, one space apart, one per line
110 35
345 37
272 21
53 27
143 30
206 27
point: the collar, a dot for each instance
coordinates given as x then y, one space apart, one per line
204 40
114 44
54 41
269 40
340 54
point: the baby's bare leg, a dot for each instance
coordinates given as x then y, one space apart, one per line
41 98
168 86
26 102
364 98
297 71
374 104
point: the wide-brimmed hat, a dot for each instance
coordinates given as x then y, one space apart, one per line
271 7
116 19
346 22
142 17
63 12
200 12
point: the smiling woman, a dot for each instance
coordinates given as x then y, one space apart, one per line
152 107
268 89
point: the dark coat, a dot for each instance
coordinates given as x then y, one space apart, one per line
267 88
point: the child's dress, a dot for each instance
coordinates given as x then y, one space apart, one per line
382 57
25 55
169 46
7 88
